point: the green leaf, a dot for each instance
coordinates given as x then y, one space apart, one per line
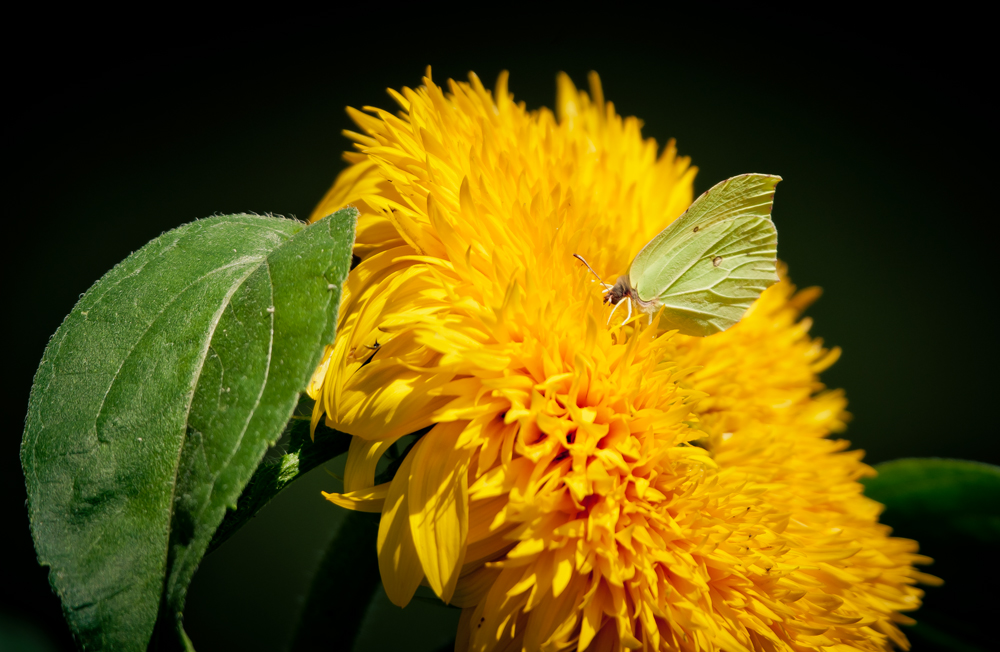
952 508
342 587
957 496
347 608
303 454
157 398
424 625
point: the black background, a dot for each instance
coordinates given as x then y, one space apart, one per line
121 127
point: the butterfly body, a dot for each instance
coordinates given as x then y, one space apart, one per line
622 289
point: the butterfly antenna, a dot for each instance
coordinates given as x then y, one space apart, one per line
580 258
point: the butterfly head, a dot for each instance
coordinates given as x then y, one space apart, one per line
620 290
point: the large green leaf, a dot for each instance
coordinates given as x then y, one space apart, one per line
959 497
952 507
156 400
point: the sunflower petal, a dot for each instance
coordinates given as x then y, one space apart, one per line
370 499
439 506
398 562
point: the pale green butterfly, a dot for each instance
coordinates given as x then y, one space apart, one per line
710 264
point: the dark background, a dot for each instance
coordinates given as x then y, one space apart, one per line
117 132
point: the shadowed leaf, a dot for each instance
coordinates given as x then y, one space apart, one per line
952 508
342 587
957 496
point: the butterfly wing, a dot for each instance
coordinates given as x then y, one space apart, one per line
712 262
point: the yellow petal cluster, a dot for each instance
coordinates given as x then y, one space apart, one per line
579 485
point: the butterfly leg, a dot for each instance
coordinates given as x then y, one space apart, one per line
627 319
613 310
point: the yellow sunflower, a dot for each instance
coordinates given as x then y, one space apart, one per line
580 485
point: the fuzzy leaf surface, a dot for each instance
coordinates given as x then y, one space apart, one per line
156 400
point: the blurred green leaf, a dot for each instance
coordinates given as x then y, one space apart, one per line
424 625
959 496
22 635
156 400
952 508
342 587
347 608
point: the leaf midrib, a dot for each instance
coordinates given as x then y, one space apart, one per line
216 318
263 386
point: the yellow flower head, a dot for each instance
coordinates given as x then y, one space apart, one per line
579 485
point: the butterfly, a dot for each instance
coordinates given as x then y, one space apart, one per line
707 267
